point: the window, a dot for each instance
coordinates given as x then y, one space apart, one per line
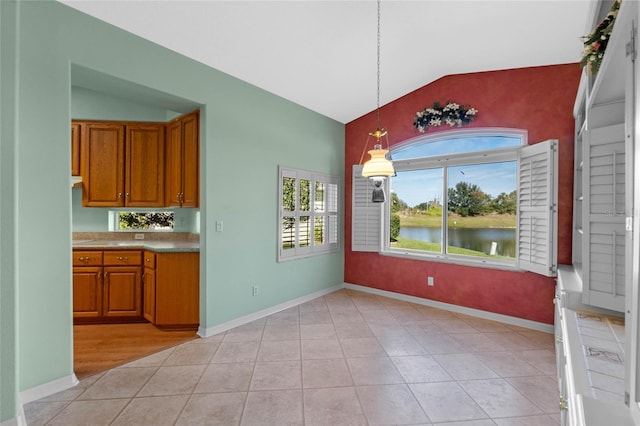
148 221
308 213
466 197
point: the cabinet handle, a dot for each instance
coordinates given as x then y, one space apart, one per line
126 195
119 195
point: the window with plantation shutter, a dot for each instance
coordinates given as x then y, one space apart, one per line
537 208
535 190
604 218
308 213
366 223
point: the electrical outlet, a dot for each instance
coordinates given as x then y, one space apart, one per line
255 290
430 281
139 236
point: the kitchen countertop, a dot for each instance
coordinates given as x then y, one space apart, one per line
157 245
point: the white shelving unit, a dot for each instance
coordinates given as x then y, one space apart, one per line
601 286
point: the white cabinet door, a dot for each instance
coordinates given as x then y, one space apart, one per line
604 218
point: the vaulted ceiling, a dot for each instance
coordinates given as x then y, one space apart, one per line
322 54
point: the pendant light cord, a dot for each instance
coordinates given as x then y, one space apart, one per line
377 87
378 72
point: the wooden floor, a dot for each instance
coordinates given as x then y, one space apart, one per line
103 346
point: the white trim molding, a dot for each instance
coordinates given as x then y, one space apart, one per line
41 391
216 329
506 319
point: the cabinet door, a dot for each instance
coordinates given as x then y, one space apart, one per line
183 159
87 292
122 291
75 149
604 218
102 164
177 289
144 172
174 163
149 295
190 163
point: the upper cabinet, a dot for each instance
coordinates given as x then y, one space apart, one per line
130 164
123 164
183 161
144 165
102 164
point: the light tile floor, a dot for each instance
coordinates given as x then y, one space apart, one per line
348 358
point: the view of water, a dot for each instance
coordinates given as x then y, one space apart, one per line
478 239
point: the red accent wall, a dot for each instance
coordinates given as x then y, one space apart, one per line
539 100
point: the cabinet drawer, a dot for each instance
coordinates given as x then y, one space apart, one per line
129 257
87 258
149 259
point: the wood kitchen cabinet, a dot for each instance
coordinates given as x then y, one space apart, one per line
183 172
172 289
107 286
75 149
149 287
144 165
102 164
122 164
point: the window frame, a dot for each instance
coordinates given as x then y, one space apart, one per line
537 201
330 213
444 162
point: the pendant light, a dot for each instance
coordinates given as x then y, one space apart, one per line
379 166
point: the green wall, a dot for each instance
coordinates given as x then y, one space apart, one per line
8 79
88 104
245 134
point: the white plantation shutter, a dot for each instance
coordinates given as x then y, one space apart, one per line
366 222
332 214
604 218
537 208
310 227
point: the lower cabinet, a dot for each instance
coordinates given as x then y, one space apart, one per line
110 286
107 286
171 289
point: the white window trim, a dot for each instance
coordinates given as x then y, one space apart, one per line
379 232
445 161
331 214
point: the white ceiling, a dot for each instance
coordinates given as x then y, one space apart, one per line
322 54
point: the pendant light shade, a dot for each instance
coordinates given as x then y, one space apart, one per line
378 165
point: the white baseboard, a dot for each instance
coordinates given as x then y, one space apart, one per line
520 322
47 389
211 331
16 421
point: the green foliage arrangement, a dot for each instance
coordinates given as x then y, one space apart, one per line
452 114
394 227
596 42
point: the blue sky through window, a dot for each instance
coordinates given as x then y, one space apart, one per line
419 186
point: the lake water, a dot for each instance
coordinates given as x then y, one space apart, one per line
478 239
